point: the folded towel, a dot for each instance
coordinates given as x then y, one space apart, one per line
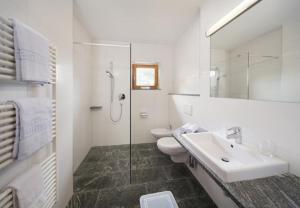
29 188
33 126
187 128
31 53
192 128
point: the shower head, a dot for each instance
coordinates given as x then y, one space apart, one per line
110 75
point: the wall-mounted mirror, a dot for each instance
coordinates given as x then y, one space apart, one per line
257 55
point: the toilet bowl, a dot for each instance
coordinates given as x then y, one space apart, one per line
161 132
170 146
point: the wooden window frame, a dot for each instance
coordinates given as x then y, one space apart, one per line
146 87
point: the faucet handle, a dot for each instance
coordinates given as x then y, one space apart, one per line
235 129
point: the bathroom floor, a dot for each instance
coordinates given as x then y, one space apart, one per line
103 181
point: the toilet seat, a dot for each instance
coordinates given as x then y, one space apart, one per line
170 146
161 132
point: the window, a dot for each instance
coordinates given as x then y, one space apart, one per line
145 76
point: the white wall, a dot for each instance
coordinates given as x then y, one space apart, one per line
82 56
185 75
104 131
153 102
290 85
278 122
186 61
54 20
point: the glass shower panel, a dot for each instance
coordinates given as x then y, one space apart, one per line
111 125
102 114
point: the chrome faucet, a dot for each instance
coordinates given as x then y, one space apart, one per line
235 133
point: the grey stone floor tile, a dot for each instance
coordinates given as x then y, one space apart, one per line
123 164
125 197
176 171
98 168
148 175
143 146
160 161
84 200
97 182
196 186
149 153
111 147
103 155
103 178
196 202
180 188
141 163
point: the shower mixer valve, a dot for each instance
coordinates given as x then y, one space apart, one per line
122 96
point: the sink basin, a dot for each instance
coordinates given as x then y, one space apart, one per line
230 161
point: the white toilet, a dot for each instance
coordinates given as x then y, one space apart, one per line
161 132
170 146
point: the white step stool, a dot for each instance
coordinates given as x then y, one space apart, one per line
161 199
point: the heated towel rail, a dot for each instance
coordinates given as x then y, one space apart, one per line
8 117
7 53
49 180
8 129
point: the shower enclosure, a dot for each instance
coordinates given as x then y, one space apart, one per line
102 114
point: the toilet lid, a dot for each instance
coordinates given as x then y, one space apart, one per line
161 131
169 142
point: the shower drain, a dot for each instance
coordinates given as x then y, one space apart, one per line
225 159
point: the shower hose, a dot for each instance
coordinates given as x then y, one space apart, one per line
120 115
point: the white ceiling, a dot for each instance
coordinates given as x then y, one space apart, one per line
149 21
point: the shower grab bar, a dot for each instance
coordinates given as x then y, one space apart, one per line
7 132
7 53
96 107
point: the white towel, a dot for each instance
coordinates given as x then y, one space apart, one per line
192 128
31 53
34 125
187 128
30 189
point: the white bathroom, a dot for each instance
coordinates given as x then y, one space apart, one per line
153 103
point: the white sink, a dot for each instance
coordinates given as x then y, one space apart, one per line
230 161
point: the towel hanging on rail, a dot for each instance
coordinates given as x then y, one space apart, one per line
31 54
29 189
33 125
32 182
